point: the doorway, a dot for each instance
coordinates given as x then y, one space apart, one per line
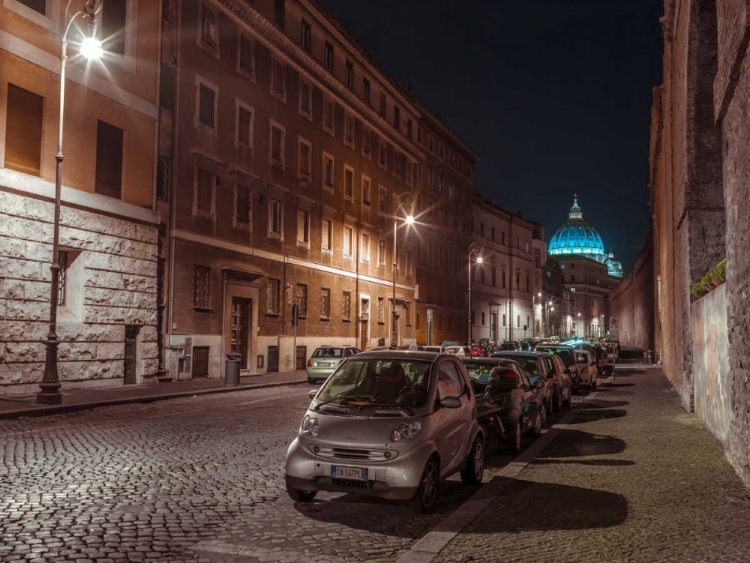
273 359
200 361
239 324
131 354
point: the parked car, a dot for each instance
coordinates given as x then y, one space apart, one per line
520 403
459 351
587 367
563 383
510 345
325 360
536 368
390 424
567 355
436 349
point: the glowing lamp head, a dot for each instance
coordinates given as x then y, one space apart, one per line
91 48
480 260
410 219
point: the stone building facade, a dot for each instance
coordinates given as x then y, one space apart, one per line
503 284
287 159
699 193
107 319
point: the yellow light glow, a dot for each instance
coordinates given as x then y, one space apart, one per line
410 219
91 48
480 260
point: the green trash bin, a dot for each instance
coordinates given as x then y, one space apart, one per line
232 369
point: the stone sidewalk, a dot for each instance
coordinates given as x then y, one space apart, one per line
17 406
632 477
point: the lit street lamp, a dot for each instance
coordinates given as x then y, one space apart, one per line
474 249
541 321
90 48
402 202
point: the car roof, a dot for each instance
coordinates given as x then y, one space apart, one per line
495 361
516 353
400 355
556 347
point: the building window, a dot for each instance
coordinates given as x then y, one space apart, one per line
573 278
441 190
279 13
23 131
518 321
303 227
349 74
242 204
382 155
278 138
382 105
381 310
382 198
327 235
366 188
504 278
381 253
306 38
246 56
245 125
206 105
328 123
112 24
108 160
201 286
273 294
366 142
527 246
528 283
62 261
346 306
328 164
275 212
348 239
300 299
365 250
329 57
305 98
366 88
278 79
325 303
348 183
349 131
398 159
397 118
209 28
204 192
305 158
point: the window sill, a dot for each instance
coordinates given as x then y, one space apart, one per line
273 314
279 96
275 236
302 244
331 132
346 320
307 115
326 319
213 49
250 75
328 188
202 309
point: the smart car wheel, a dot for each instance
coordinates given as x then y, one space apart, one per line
474 468
567 401
301 496
425 499
536 430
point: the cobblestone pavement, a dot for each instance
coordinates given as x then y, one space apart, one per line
633 478
188 479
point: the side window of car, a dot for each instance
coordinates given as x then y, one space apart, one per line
449 381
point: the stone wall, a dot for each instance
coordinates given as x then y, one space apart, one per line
711 363
632 302
111 283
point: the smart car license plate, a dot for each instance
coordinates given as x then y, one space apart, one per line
358 473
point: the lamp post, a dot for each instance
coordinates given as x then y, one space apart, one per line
403 201
541 320
91 48
474 249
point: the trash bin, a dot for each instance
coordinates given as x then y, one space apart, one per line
232 369
650 357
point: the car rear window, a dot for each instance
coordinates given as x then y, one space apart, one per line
328 353
565 353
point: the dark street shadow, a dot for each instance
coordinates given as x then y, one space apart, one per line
576 443
609 385
600 462
597 414
603 404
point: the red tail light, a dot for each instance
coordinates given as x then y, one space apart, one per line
309 363
510 375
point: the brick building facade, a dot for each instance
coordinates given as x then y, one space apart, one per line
107 318
698 173
286 161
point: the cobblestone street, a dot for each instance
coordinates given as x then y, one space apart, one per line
631 478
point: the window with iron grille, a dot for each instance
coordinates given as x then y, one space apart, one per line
346 312
62 260
300 299
163 175
381 253
201 286
243 204
325 303
381 310
273 289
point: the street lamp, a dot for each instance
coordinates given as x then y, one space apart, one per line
403 201
533 306
90 48
474 250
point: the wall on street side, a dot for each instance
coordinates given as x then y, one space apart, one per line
711 363
632 302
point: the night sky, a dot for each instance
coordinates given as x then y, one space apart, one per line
554 96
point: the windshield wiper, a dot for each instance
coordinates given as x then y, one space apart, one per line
342 396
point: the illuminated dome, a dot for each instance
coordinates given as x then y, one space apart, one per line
614 267
578 238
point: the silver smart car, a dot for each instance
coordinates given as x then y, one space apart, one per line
391 424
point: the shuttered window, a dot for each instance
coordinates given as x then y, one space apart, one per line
23 133
327 234
303 226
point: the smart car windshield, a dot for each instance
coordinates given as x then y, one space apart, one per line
377 382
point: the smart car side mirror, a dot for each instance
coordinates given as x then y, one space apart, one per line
312 393
450 402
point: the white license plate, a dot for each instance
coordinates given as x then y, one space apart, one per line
338 472
325 364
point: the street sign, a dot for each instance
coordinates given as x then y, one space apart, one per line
614 334
613 323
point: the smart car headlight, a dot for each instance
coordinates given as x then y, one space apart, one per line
310 425
406 431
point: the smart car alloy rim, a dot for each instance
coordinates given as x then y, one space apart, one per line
429 485
479 460
538 425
